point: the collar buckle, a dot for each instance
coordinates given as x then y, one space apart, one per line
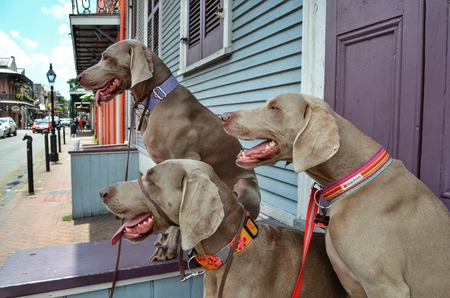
161 92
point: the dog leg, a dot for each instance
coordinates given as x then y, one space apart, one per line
169 245
247 193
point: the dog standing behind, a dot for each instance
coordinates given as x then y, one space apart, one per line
389 238
178 126
191 195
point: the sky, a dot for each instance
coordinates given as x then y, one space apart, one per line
37 33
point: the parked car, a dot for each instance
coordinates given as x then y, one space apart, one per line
11 126
2 130
49 119
65 121
41 125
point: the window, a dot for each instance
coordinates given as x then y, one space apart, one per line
153 26
206 32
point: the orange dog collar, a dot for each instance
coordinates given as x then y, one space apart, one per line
248 232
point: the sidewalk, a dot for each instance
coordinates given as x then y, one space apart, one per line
35 221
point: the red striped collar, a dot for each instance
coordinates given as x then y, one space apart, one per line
356 179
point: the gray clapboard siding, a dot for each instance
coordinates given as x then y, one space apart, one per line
266 60
162 288
93 168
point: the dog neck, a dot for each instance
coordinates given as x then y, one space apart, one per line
349 157
158 93
247 231
160 74
227 229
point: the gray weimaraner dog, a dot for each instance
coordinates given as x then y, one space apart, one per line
188 193
178 126
387 237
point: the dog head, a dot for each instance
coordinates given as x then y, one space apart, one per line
187 191
297 128
123 65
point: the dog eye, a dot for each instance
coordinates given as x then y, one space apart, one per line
274 108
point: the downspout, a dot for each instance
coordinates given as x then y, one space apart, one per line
122 36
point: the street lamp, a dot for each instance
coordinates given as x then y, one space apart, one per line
51 76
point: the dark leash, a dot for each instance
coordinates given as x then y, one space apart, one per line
119 248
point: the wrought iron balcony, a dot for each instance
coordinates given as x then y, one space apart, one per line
99 6
95 26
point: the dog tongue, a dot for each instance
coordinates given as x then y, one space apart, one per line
130 223
97 98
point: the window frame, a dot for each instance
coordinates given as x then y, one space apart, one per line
226 38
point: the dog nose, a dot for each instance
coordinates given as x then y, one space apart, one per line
79 77
104 194
225 117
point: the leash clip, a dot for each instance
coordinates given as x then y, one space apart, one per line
193 273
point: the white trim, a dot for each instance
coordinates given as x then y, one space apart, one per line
227 38
94 19
313 75
278 214
145 162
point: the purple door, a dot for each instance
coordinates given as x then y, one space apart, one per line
387 71
373 71
435 162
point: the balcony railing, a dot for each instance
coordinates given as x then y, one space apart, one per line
16 97
95 6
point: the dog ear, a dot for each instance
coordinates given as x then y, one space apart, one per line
141 64
201 210
318 141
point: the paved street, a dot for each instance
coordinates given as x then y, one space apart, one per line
35 221
13 162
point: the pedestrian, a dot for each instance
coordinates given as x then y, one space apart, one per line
80 124
76 123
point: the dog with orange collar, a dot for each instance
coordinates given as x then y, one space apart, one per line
240 257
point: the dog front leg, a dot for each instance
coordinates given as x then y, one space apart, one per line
168 242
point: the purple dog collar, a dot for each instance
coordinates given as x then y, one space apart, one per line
159 93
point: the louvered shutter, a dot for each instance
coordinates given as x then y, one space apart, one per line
213 36
153 26
205 29
134 19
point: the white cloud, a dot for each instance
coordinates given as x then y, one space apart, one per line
15 34
10 48
30 44
59 12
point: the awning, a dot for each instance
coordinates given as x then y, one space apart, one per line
91 35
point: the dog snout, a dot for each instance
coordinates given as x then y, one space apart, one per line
104 194
225 117
79 77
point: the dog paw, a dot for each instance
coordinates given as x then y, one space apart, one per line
164 253
162 238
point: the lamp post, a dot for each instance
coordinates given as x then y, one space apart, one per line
51 76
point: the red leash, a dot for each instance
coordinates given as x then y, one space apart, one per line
313 209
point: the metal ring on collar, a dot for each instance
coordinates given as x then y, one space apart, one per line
193 273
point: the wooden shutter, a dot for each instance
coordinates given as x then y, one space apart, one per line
134 19
213 36
153 26
205 29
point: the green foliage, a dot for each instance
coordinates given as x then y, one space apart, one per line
87 98
67 217
73 84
